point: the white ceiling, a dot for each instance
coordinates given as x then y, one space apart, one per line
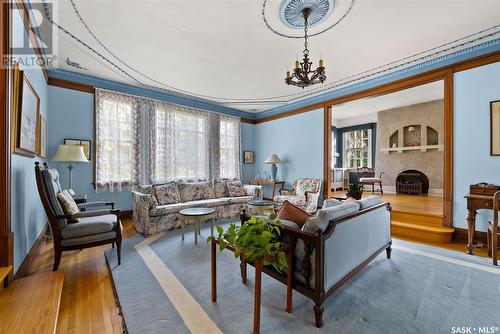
223 51
365 110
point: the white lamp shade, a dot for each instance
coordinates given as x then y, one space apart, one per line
273 159
70 153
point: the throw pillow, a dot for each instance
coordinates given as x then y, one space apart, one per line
67 202
167 193
220 188
291 212
194 191
235 188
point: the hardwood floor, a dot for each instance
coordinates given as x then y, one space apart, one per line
88 303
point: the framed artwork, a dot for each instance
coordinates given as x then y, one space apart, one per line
42 137
86 143
26 112
248 157
495 128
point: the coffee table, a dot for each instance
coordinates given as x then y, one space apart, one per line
260 205
197 216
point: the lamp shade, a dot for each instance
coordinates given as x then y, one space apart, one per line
273 159
70 153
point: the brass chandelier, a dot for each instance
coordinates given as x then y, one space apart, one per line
303 75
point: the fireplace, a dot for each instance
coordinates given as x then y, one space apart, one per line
412 182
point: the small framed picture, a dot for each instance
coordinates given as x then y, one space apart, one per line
248 157
495 128
86 143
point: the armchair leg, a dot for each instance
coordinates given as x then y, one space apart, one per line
381 190
489 240
388 251
57 258
119 251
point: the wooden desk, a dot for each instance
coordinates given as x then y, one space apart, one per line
288 249
273 183
475 202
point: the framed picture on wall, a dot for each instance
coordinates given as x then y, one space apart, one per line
86 143
248 157
25 115
42 137
495 128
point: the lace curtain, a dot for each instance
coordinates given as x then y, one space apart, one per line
140 141
179 142
117 141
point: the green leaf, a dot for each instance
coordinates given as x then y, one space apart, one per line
220 229
272 216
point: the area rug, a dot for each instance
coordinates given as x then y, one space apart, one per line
163 286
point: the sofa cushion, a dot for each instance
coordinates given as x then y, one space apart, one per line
67 202
145 189
293 213
369 202
167 193
220 188
161 210
290 224
237 200
194 191
235 188
322 218
88 239
89 226
331 202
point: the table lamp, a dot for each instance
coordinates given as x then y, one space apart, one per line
69 154
274 160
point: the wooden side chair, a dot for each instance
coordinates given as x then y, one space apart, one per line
367 177
493 231
79 230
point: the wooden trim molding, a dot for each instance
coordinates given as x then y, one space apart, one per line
248 120
327 151
25 267
6 235
25 15
70 85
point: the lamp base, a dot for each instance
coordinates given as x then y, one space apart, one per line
274 171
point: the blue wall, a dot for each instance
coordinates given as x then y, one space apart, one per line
28 215
297 140
247 144
473 91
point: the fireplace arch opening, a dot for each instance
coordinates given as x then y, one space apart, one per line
412 182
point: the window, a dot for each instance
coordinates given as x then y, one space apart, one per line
357 148
180 140
229 147
145 141
116 142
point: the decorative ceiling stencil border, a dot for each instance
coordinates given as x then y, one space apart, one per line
292 98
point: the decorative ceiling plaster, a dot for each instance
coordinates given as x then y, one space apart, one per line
222 51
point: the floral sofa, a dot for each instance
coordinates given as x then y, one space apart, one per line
305 195
156 207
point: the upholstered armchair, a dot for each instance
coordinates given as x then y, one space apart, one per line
82 229
305 194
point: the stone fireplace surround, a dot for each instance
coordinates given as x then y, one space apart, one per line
427 114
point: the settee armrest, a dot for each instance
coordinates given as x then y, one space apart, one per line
146 201
253 190
284 191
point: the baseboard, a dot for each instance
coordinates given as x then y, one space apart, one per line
460 235
126 214
25 267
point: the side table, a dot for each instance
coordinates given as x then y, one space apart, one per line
197 216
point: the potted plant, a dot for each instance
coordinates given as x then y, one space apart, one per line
255 239
355 190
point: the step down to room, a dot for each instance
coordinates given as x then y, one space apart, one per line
31 304
420 227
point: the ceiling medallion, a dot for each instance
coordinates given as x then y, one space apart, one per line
291 12
303 75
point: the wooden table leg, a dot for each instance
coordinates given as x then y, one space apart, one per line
213 262
471 227
243 270
274 188
256 305
289 282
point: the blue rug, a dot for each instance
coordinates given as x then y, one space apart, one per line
421 289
